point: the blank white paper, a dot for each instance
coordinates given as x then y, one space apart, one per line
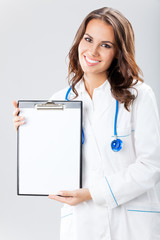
49 151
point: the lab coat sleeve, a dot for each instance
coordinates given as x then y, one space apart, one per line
139 177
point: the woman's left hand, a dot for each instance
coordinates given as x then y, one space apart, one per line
72 197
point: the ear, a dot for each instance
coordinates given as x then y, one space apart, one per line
116 56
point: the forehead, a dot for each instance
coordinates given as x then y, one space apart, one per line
100 30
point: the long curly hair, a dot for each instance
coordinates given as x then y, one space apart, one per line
123 72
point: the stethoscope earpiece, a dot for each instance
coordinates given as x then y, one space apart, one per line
116 145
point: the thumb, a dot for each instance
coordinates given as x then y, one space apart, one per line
15 104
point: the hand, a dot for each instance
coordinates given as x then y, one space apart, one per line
18 120
72 197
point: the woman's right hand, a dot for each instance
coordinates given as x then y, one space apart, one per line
18 120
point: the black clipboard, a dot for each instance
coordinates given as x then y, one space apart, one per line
49 147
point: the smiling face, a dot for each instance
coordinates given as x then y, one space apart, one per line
97 48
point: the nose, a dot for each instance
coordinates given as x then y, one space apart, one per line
94 51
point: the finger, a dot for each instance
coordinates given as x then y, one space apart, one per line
67 193
15 113
15 104
68 200
17 124
60 199
18 119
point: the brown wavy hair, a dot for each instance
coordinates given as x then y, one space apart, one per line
123 69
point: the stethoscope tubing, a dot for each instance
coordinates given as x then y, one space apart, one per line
116 144
66 98
115 119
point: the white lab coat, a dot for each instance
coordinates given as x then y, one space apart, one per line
123 185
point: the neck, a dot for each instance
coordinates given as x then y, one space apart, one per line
92 81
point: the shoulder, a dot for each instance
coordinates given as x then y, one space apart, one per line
142 91
141 88
59 95
145 102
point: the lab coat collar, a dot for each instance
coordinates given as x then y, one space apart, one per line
101 101
103 87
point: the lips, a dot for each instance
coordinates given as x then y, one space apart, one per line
91 62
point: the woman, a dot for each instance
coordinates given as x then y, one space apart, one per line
119 195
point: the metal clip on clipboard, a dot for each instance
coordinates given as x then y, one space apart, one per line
50 105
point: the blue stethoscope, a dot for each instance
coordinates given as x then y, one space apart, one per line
116 144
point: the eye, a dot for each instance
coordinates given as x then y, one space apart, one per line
88 39
106 45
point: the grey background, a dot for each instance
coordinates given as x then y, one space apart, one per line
35 37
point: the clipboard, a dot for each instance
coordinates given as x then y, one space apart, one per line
49 147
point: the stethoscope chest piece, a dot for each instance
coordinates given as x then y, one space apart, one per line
116 145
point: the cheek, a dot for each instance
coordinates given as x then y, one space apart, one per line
80 51
82 46
109 57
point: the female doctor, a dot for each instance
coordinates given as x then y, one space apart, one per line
121 136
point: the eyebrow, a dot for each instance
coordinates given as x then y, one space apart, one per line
102 41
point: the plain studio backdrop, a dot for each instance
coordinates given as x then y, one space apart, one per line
35 37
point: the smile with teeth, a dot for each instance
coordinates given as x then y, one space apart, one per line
90 61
